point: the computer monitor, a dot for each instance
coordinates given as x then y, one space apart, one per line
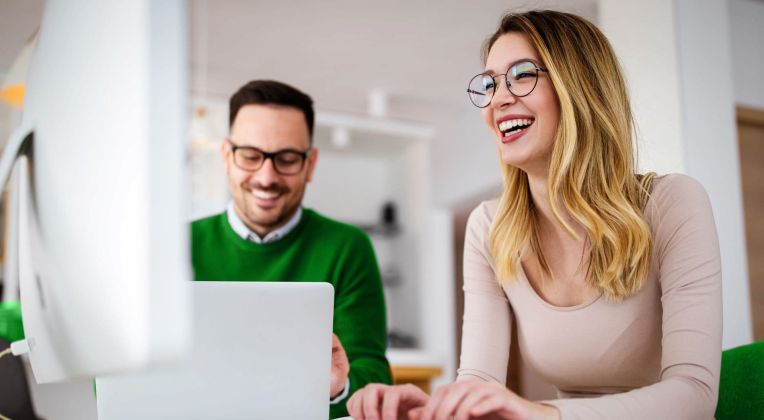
103 244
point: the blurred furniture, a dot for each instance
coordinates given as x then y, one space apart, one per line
420 376
750 130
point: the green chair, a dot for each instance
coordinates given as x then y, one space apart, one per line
11 327
741 387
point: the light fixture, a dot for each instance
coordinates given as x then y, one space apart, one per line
340 137
12 91
378 103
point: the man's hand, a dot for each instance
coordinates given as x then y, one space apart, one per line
340 368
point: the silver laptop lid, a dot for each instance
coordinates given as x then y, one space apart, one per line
261 351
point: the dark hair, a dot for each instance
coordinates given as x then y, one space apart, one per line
271 92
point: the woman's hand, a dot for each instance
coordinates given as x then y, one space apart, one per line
385 402
477 399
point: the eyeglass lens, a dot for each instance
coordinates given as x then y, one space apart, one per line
286 162
521 79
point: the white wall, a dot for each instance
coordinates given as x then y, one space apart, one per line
672 55
335 190
438 307
353 183
353 187
711 146
642 34
464 159
747 31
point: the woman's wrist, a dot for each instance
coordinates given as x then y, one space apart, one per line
546 411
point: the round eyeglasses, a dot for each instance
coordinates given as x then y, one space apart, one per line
285 161
521 78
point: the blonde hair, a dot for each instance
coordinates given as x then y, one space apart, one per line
592 171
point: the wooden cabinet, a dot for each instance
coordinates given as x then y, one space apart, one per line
420 376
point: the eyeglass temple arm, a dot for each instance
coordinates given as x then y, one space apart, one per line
475 92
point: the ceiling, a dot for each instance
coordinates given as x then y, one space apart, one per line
419 53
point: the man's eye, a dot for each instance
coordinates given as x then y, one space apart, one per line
251 156
288 159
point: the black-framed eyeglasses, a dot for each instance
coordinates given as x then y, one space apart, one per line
285 161
521 78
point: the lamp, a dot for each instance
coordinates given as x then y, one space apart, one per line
14 84
340 137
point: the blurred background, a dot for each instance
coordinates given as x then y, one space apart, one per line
406 156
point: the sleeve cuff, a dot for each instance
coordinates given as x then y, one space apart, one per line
343 394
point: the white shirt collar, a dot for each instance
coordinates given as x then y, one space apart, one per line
245 233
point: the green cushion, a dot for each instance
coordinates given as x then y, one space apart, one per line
741 388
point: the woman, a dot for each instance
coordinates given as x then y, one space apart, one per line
613 278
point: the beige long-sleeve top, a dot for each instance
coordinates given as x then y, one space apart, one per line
654 355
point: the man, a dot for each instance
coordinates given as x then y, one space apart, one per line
266 235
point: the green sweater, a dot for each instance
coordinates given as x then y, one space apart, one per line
317 249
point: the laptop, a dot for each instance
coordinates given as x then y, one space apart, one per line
260 351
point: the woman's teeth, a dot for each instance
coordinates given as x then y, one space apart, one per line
510 126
